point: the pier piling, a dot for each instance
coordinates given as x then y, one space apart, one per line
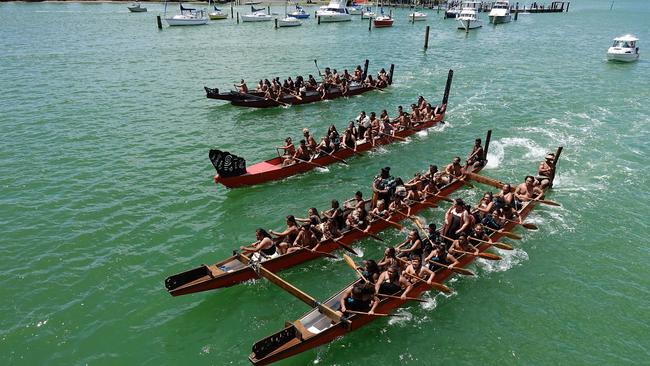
276 23
569 3
516 11
426 38
232 12
369 24
319 20
159 21
268 10
237 17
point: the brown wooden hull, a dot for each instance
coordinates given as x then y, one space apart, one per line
199 278
304 340
272 169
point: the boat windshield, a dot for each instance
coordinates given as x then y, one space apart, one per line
623 44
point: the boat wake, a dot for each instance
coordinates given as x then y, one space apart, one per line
496 153
510 258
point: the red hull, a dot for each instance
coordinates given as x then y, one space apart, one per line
387 305
272 169
199 279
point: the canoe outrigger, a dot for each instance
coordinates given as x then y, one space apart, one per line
256 99
319 326
232 171
232 270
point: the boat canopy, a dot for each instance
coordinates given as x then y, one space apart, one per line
626 38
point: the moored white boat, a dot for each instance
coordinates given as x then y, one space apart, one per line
500 12
335 11
257 15
217 14
468 19
624 49
137 8
188 16
289 22
368 13
417 16
355 9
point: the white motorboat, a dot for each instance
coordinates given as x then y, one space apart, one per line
188 16
500 12
137 8
335 11
468 19
416 16
256 15
289 21
368 13
624 49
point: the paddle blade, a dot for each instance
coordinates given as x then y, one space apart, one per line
529 226
350 262
440 287
549 202
346 247
501 245
490 256
463 271
510 235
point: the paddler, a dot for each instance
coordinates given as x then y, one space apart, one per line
311 143
527 191
546 171
415 268
476 158
241 87
455 219
440 255
382 184
264 245
354 202
455 170
462 244
304 239
390 282
413 243
288 236
360 297
289 149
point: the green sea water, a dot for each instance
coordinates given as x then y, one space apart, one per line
106 188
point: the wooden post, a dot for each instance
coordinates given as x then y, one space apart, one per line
426 38
516 11
232 12
237 17
569 3
318 20
268 10
159 21
413 17
276 23
369 23
390 13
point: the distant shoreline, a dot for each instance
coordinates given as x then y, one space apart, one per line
314 2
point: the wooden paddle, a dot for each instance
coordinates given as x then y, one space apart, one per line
393 136
507 234
345 246
547 202
458 270
439 196
527 225
490 256
325 254
400 298
485 180
497 244
354 266
438 286
369 234
310 162
373 314
398 226
291 93
335 157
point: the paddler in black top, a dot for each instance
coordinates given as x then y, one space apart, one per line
413 243
330 229
288 236
476 158
382 185
324 147
360 297
478 232
440 255
390 282
431 239
264 244
336 214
